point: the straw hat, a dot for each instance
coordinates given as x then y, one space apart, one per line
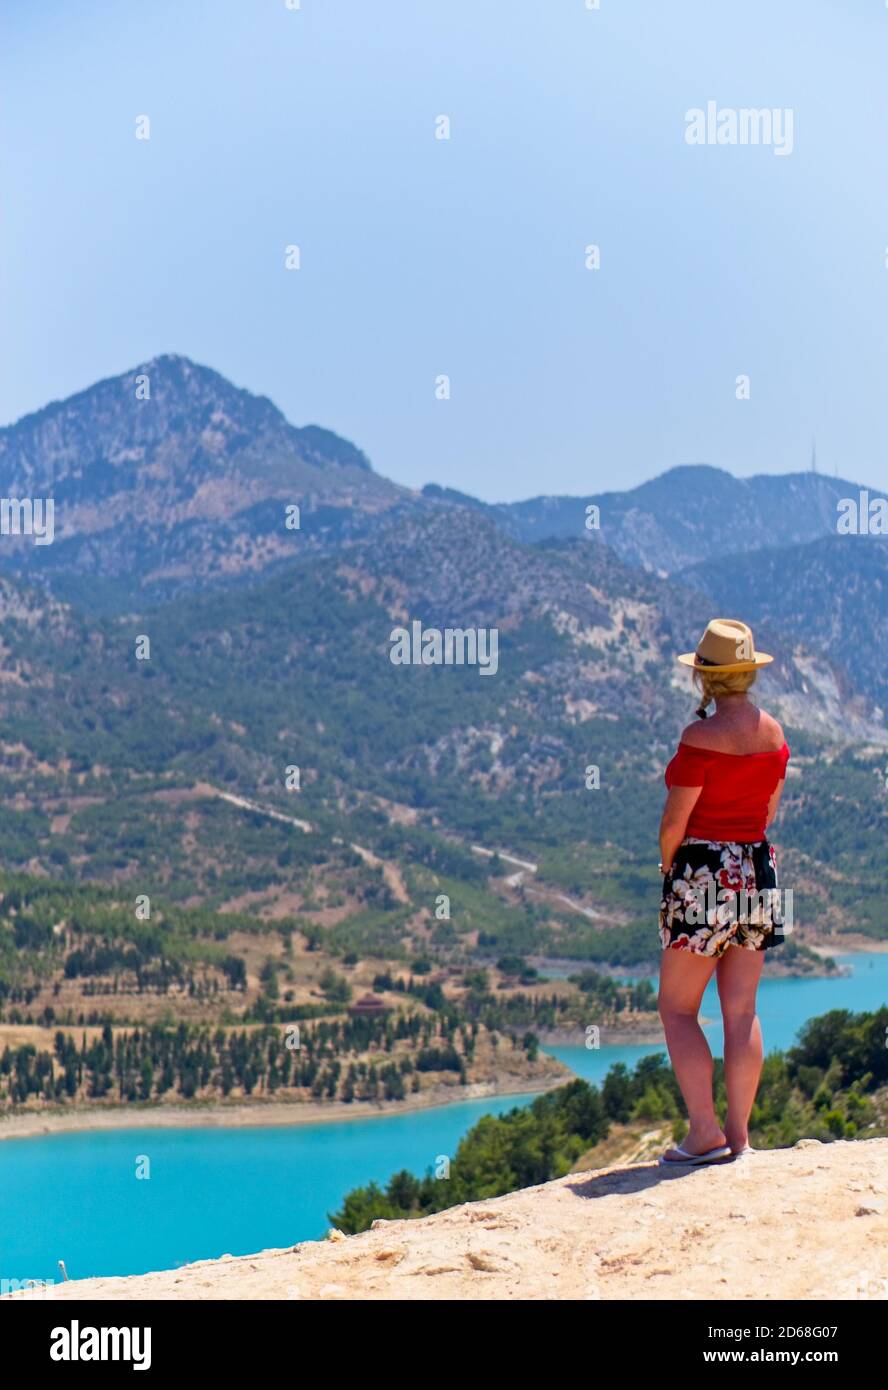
726 645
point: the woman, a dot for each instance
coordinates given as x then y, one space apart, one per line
720 905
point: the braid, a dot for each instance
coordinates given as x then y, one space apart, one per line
712 685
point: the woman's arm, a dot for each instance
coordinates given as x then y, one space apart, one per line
774 803
680 802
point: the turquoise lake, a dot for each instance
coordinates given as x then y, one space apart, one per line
76 1197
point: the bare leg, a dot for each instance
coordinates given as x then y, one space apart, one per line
738 974
683 978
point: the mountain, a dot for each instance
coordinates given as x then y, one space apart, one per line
832 593
112 767
169 476
690 514
271 649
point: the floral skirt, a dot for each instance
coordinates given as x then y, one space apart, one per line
720 893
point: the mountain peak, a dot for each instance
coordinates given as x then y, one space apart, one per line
169 472
169 406
178 379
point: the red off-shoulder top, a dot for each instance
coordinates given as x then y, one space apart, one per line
737 787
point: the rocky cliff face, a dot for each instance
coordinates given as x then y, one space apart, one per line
809 1222
834 590
611 630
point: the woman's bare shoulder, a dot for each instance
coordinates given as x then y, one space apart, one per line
770 726
765 736
695 735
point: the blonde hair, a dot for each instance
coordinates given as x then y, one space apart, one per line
714 685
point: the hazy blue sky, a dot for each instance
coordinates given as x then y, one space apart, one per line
419 256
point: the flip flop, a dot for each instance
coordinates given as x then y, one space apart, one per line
687 1160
